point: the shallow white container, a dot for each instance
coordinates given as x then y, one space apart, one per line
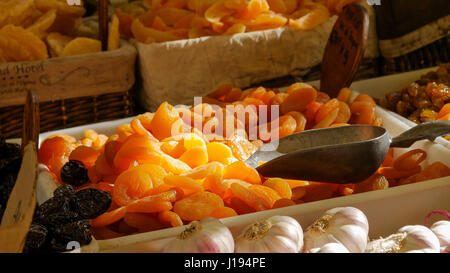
387 210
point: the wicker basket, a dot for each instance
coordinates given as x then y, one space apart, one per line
101 91
427 56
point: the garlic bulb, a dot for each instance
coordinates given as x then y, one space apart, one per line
442 231
330 248
206 236
345 225
277 234
408 239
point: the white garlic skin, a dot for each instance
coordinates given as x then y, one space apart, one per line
442 231
211 237
330 248
285 235
344 225
419 239
408 239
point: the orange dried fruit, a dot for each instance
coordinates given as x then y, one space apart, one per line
108 218
299 119
43 23
203 171
87 155
250 197
131 185
267 193
410 160
197 206
344 94
188 185
219 152
241 170
214 183
318 15
81 45
173 165
166 122
283 202
240 206
171 218
280 186
194 157
328 120
363 112
142 221
298 100
223 212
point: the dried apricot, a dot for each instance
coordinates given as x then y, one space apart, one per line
280 186
410 160
250 197
298 100
85 154
241 170
188 185
197 206
283 202
194 157
131 185
167 121
171 218
108 218
203 171
223 212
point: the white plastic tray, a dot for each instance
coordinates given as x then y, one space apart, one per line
387 210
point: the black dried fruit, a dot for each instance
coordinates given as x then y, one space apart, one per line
78 232
56 211
36 237
65 191
74 173
92 202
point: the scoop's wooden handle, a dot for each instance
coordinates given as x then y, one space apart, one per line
345 49
31 125
22 201
102 8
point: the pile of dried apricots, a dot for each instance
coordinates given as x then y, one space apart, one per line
163 172
169 20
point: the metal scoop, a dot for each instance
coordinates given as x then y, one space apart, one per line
342 155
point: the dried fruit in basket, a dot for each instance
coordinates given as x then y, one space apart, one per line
80 46
15 12
19 44
56 43
113 35
43 23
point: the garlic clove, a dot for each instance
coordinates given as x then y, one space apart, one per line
206 236
277 234
331 248
344 225
442 231
408 239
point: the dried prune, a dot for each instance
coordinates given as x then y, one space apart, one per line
78 231
56 211
74 173
92 202
36 237
65 191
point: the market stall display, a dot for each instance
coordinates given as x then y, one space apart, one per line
177 176
190 176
